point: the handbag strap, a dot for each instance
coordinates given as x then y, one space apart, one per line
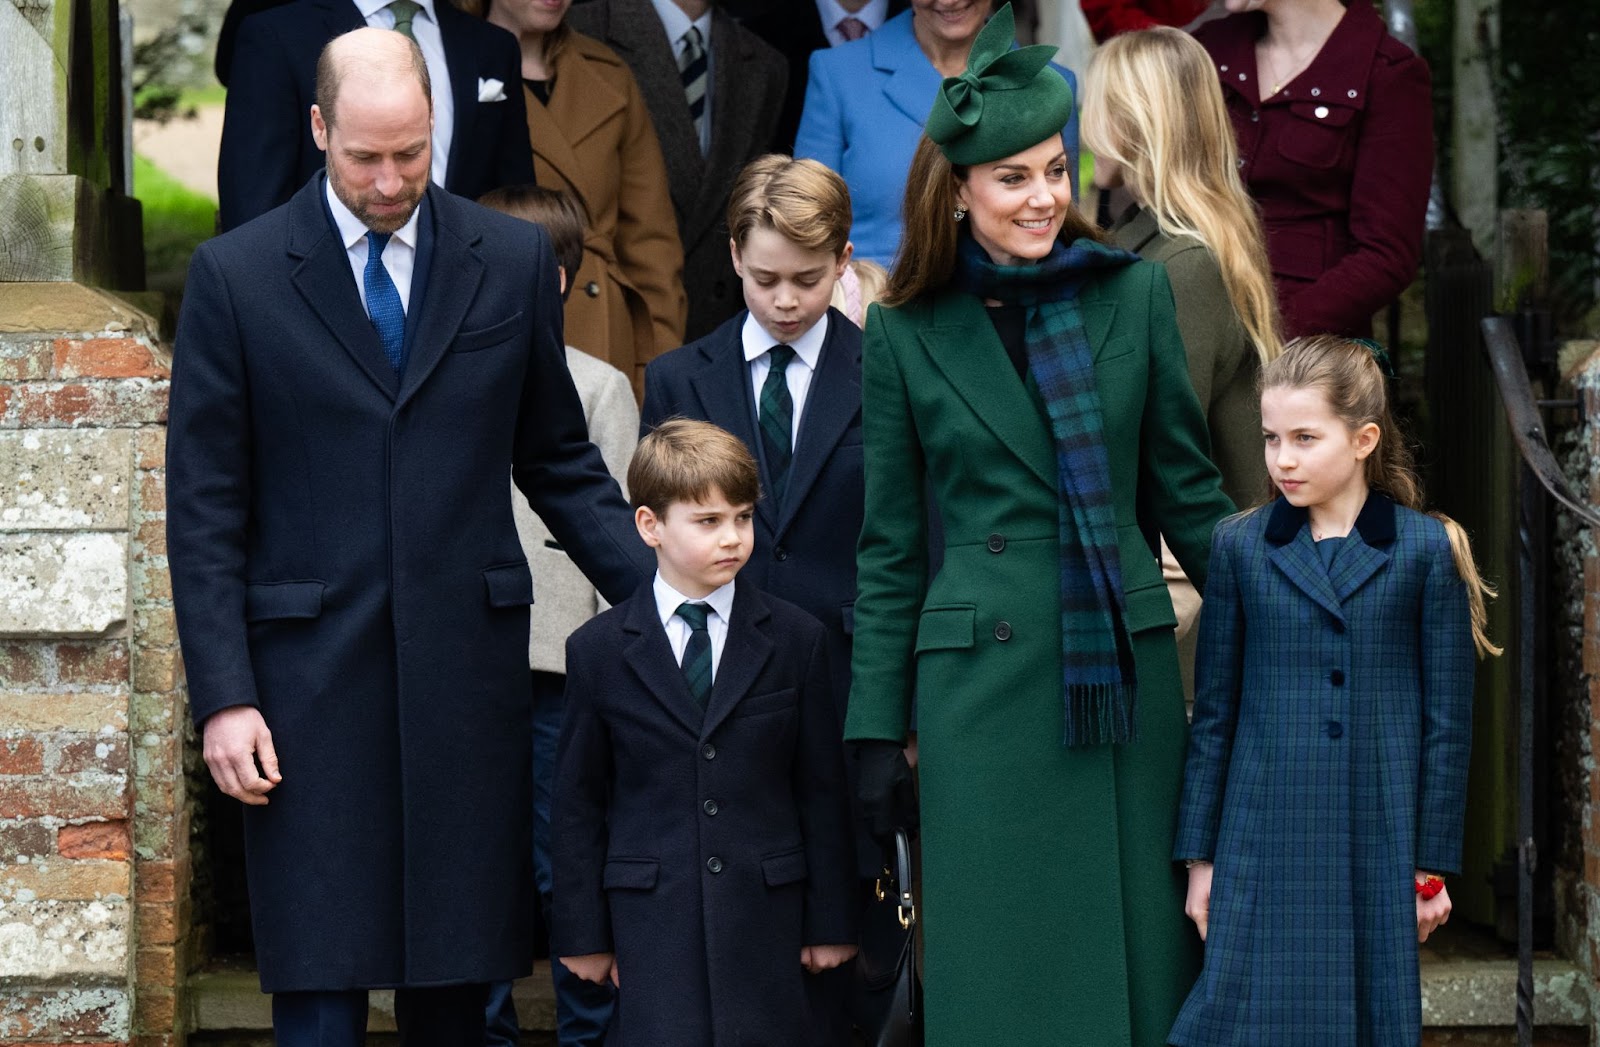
902 870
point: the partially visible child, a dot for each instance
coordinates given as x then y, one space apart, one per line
701 828
1327 769
861 284
565 601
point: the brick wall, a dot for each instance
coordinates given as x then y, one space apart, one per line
94 826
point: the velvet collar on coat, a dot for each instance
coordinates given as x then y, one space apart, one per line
1375 522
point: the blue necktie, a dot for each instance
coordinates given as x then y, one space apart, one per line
697 652
383 303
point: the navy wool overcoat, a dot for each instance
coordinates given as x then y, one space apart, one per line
344 556
1327 763
703 849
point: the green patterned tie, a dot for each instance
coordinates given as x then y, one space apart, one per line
405 11
697 652
777 420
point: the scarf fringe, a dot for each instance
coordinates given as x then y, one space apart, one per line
1099 714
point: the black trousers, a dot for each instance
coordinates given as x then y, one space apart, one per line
447 1016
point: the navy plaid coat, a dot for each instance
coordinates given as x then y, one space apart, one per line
1327 763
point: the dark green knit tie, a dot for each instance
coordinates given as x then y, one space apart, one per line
404 12
697 652
777 420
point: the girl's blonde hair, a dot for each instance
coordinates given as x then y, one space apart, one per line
1347 373
1152 104
861 285
926 259
802 200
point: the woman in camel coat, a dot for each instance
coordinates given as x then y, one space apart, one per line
592 136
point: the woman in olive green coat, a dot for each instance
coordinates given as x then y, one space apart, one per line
1030 383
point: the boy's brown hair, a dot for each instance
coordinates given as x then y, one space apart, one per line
801 200
682 460
556 209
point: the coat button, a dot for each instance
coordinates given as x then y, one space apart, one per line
710 807
709 751
997 543
1240 163
592 289
780 554
714 864
1321 111
1336 677
1316 91
1335 729
1255 116
1002 631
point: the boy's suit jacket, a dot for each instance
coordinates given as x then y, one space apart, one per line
267 149
805 553
704 849
747 85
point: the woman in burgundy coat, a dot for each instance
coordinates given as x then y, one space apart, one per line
1335 129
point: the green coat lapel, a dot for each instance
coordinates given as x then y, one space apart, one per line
962 343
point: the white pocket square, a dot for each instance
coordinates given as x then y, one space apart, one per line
491 90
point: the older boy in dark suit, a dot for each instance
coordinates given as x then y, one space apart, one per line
701 831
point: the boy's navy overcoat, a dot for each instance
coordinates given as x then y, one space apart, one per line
343 556
1327 764
704 849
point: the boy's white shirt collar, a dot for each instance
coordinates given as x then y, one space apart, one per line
807 347
720 601
669 599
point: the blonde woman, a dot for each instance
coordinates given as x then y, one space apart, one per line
1154 118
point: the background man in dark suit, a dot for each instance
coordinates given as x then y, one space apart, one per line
480 130
715 104
797 28
355 375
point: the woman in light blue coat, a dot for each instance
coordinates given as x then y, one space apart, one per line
866 103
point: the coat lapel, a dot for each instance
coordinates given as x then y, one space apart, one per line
461 57
582 102
832 403
744 655
451 285
1359 561
634 31
722 384
965 348
649 654
911 84
734 64
324 281
1292 551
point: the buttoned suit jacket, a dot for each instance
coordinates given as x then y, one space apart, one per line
595 139
343 557
747 85
703 848
267 149
1330 745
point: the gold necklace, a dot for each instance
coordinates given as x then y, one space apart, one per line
1294 71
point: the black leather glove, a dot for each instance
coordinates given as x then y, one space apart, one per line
886 790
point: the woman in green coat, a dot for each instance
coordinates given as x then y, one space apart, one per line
1030 383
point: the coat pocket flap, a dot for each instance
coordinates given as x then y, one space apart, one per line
635 874
788 867
943 628
1150 607
264 601
484 337
510 584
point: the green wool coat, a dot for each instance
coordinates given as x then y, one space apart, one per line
1223 364
1052 911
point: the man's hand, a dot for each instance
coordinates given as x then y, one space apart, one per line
234 740
594 967
818 958
1197 906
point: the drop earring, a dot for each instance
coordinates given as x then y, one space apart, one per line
961 212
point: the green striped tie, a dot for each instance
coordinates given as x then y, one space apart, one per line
405 11
697 653
777 420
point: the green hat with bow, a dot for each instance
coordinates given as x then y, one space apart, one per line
1005 101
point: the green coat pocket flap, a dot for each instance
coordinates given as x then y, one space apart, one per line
943 628
779 869
510 584
1150 607
264 601
633 874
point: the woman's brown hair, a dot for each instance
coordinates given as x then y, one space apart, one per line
1348 375
927 256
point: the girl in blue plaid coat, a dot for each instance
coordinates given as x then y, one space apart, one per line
1327 768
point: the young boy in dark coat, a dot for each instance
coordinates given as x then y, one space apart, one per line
702 844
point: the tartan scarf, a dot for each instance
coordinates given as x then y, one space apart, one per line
1097 668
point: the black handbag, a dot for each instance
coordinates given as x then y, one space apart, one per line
888 992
